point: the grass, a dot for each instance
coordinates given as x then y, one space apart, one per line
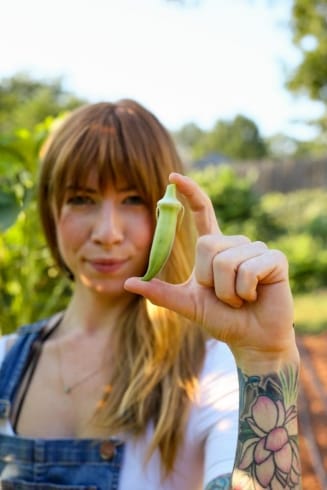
311 312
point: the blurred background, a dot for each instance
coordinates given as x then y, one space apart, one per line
242 87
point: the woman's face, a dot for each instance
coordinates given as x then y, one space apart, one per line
104 237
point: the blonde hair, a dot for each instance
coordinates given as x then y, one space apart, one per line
158 353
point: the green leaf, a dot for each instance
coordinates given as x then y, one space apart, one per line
9 209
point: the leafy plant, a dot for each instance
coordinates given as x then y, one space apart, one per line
237 206
30 285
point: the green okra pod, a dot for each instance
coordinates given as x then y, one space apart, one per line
169 209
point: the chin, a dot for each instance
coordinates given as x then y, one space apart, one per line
112 287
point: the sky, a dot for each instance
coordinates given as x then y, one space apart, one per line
207 61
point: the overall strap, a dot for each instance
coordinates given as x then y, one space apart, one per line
26 346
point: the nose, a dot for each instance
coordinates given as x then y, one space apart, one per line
108 226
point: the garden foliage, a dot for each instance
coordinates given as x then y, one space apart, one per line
31 286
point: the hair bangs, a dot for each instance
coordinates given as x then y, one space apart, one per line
111 151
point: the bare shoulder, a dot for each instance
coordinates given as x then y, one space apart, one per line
220 483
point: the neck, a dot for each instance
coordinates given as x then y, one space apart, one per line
90 312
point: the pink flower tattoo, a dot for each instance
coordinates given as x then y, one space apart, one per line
271 450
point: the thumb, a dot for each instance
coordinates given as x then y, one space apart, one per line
160 293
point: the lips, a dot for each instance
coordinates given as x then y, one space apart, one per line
107 265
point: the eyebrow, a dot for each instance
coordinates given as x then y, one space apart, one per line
90 190
79 188
126 188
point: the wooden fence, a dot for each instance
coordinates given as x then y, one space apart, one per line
285 176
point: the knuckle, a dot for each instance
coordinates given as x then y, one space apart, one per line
242 239
220 262
279 256
206 244
260 244
246 271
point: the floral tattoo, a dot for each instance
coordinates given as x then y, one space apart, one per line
220 483
268 453
268 450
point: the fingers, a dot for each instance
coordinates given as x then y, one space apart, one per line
236 273
172 296
200 204
208 247
268 267
234 267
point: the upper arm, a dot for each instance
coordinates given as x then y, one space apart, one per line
219 419
221 443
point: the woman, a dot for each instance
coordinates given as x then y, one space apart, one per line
136 384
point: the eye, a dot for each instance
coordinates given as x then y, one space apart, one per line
134 199
80 200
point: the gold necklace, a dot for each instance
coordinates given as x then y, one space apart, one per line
67 389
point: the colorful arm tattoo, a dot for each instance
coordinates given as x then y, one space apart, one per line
220 483
268 452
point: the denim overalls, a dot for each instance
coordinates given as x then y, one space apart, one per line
50 464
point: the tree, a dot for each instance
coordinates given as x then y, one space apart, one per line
189 134
238 139
186 138
25 102
309 25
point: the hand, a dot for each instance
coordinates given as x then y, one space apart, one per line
238 291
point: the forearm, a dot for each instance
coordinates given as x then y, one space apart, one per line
268 451
267 454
